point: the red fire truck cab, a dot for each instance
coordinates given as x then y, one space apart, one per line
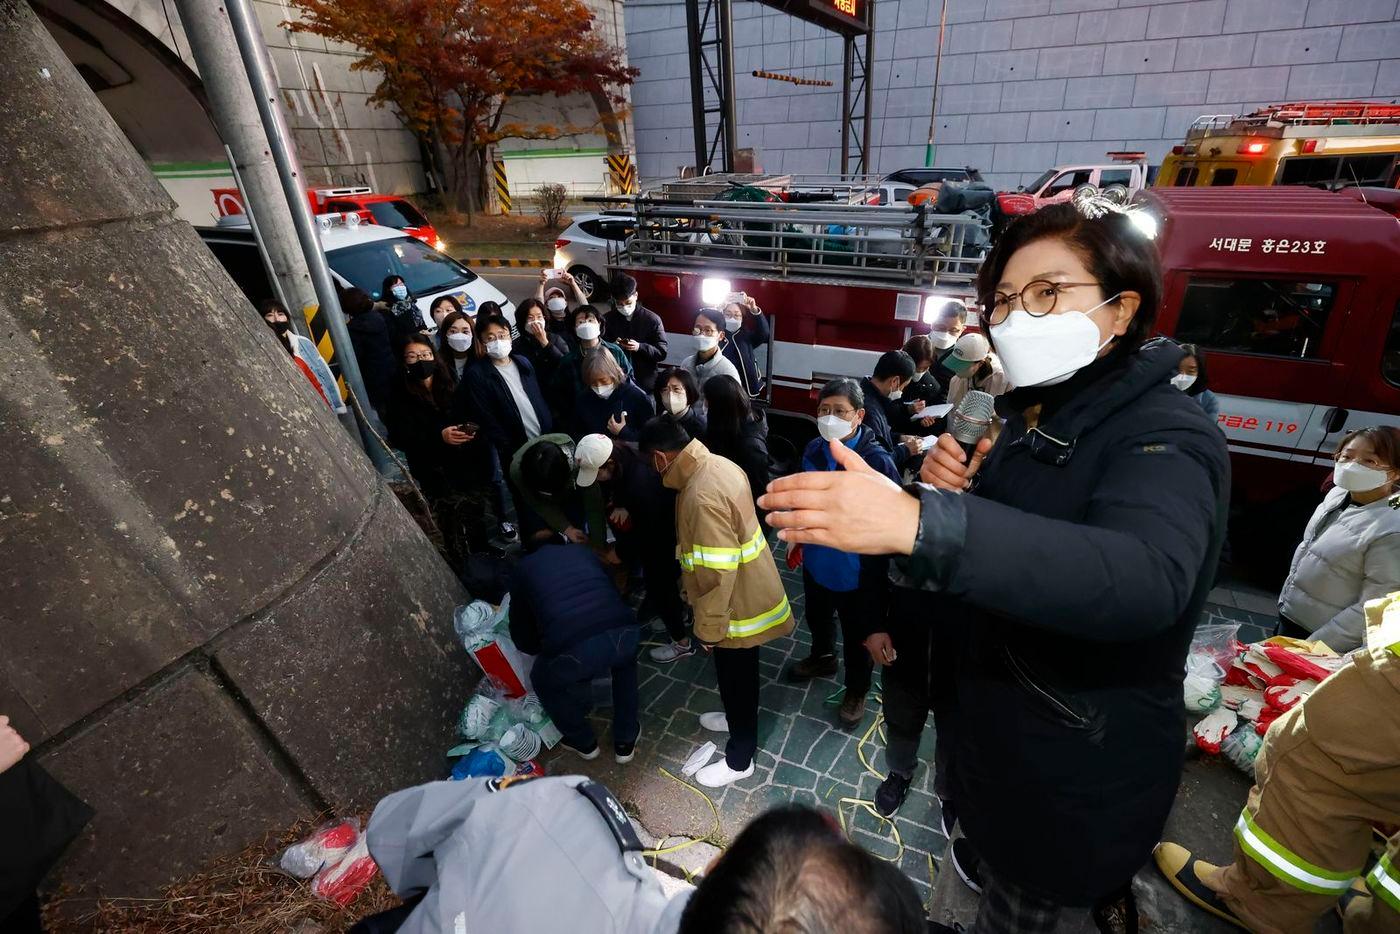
386 210
1294 298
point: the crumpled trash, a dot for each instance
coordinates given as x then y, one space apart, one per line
481 762
699 759
1214 727
326 846
346 879
477 715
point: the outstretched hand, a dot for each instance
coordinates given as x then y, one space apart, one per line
855 509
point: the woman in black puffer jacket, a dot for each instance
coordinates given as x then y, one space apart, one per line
1075 555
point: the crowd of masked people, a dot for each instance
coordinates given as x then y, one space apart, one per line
1104 465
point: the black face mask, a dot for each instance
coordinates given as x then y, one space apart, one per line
280 327
420 369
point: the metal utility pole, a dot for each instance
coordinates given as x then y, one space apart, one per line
235 115
730 105
937 71
709 36
251 49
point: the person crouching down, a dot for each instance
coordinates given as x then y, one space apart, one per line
565 610
729 579
559 854
838 582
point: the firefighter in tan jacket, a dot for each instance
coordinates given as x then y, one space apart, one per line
730 582
1327 785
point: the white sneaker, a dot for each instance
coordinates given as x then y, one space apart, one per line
715 721
673 651
718 774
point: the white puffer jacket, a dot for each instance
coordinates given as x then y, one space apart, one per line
1349 554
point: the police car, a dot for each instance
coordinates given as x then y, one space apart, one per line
359 255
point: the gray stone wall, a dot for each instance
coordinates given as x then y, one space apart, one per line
1025 84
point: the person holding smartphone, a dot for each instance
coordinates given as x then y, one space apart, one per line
446 456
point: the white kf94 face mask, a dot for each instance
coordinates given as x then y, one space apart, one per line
1050 349
1358 478
833 427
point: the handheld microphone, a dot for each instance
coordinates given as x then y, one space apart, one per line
972 419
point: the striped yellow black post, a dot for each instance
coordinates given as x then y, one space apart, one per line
502 188
624 174
321 337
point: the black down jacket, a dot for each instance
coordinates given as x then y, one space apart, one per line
1078 567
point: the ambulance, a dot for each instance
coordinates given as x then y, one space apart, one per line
1292 293
1329 145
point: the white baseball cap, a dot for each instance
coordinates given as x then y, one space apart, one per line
591 454
972 348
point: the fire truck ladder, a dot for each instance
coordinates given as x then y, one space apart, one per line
897 244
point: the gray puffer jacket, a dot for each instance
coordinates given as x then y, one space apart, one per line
1349 554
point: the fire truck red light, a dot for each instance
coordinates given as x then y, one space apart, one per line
1309 145
1252 149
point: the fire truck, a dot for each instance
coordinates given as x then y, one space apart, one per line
1290 292
393 211
1329 145
842 280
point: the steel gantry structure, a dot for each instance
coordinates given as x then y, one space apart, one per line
710 35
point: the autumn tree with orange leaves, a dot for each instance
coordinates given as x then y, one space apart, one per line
451 68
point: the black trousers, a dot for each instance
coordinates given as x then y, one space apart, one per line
736 671
919 681
855 608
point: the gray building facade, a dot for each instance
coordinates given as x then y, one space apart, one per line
1024 84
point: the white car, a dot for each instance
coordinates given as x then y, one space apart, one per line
582 249
361 255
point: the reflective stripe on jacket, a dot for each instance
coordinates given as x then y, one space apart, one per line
727 569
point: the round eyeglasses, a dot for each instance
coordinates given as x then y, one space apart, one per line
1037 299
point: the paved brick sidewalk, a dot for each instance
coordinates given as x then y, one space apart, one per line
804 756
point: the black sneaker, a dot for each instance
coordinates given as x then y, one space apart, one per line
585 754
891 794
935 927
623 752
967 863
947 816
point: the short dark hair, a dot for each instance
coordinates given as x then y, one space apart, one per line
486 309
268 305
355 301
681 375
1202 382
1116 253
522 312
663 434
586 310
894 363
456 305
1385 439
715 317
546 470
920 349
623 287
846 387
791 869
485 321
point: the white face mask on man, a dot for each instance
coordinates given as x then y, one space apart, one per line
1358 478
1049 349
706 342
627 308
498 349
834 427
942 340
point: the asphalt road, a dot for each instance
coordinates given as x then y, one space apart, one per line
517 284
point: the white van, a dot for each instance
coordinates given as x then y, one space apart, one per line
360 255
